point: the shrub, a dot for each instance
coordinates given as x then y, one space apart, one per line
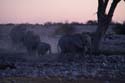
92 22
119 29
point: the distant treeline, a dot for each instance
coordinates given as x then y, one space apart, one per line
90 22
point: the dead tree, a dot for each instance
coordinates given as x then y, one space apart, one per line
104 20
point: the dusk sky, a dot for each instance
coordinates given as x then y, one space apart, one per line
41 11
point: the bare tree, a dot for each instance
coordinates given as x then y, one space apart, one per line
104 20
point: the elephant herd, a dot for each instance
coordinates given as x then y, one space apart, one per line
79 44
30 40
75 44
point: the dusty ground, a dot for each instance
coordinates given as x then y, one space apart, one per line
53 80
46 35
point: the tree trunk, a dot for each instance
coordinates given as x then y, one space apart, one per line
100 32
103 21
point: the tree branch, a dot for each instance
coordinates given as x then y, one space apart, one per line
112 8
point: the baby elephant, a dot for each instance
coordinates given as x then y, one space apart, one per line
43 48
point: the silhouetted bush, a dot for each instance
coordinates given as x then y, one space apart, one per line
91 22
65 29
119 29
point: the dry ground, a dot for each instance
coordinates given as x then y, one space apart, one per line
51 80
46 80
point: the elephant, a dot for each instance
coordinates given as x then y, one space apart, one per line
43 48
31 41
71 44
74 44
88 38
17 34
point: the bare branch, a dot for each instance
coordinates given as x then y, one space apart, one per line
112 8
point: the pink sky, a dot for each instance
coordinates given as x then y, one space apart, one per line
40 11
